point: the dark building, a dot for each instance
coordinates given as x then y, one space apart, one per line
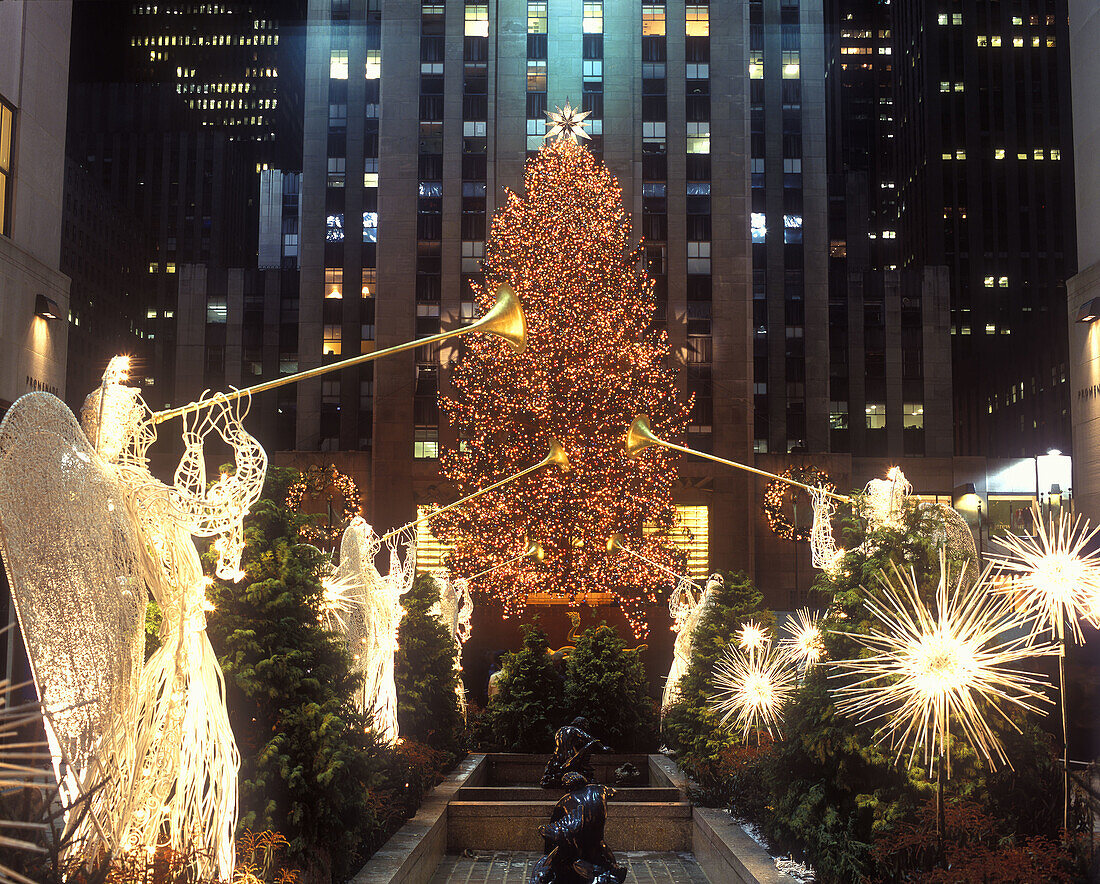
889 347
179 110
236 66
104 251
984 173
190 187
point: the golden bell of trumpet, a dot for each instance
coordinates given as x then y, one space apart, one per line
640 437
505 319
557 456
535 551
615 542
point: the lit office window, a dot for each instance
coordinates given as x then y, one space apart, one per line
330 345
334 282
698 21
477 20
593 17
431 552
692 538
338 64
876 415
536 17
7 120
653 21
756 64
790 65
912 416
216 310
374 64
838 415
426 443
536 76
698 137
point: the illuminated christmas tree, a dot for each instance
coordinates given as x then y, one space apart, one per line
592 362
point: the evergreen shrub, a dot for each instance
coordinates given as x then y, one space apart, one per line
427 681
311 768
530 705
606 683
690 730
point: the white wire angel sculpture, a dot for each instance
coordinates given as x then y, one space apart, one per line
884 503
455 610
155 739
365 607
687 610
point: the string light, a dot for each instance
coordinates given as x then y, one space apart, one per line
317 481
591 363
775 496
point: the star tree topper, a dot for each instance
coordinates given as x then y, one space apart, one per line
567 123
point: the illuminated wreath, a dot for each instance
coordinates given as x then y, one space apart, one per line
330 483
775 495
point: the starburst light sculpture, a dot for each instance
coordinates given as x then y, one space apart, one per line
1057 582
751 687
803 639
567 123
751 636
934 665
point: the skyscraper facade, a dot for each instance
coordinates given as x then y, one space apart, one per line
180 109
419 115
984 179
888 327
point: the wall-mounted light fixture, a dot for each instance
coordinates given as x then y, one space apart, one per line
964 495
1090 311
46 308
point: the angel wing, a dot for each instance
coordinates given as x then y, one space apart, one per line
75 564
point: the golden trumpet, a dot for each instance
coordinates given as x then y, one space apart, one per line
505 320
534 551
556 456
640 436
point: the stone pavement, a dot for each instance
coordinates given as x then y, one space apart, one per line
504 867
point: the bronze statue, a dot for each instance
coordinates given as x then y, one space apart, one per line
574 849
572 747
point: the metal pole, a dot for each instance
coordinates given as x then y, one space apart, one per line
1065 727
794 539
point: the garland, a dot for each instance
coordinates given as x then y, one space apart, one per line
775 496
330 482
